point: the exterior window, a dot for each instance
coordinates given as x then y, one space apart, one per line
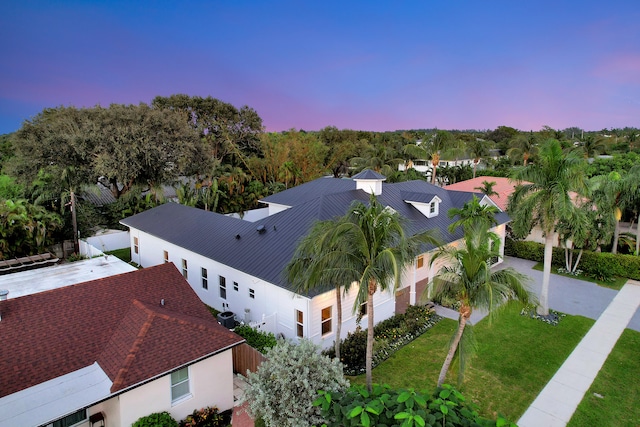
205 278
166 256
185 273
363 309
70 420
299 324
432 207
179 384
420 262
252 294
223 287
326 320
135 245
235 286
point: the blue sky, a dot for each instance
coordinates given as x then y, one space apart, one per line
368 65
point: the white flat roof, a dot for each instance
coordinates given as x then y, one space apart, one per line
55 398
57 276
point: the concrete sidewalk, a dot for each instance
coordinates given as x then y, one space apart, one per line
557 402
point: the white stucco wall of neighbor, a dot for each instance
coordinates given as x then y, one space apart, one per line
210 384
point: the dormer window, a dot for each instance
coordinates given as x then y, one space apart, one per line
427 204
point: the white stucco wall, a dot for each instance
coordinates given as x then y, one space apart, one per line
210 384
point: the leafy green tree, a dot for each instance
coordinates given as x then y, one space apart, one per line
373 250
25 229
124 146
543 197
467 277
283 389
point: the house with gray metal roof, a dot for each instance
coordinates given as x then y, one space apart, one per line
237 265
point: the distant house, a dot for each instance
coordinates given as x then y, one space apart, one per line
108 351
237 265
504 187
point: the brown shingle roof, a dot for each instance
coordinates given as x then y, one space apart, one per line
117 321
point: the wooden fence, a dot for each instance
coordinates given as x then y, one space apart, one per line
246 358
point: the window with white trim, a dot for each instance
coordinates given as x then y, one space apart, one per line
420 262
135 245
223 287
326 321
205 278
252 294
299 324
235 286
165 256
432 207
180 384
185 271
70 420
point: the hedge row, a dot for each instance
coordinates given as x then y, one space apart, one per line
601 265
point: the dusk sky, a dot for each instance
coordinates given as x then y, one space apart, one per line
365 65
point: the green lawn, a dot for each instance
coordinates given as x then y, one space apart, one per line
516 357
617 283
612 399
124 254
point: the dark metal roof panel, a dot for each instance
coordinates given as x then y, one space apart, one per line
265 254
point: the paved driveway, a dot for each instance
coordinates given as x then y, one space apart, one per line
567 295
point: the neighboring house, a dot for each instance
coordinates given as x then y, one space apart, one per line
109 351
237 265
504 187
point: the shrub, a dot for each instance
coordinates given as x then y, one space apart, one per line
600 265
260 340
390 335
158 419
406 407
282 391
206 417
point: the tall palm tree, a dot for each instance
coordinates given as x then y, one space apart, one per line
437 144
369 246
315 265
477 148
473 212
467 277
545 199
525 146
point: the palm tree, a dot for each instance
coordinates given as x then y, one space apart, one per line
438 144
367 246
487 188
472 212
525 146
313 267
545 199
477 149
467 277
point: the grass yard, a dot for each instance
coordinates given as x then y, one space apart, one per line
123 254
617 283
516 358
617 384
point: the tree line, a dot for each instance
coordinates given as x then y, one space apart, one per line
218 157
